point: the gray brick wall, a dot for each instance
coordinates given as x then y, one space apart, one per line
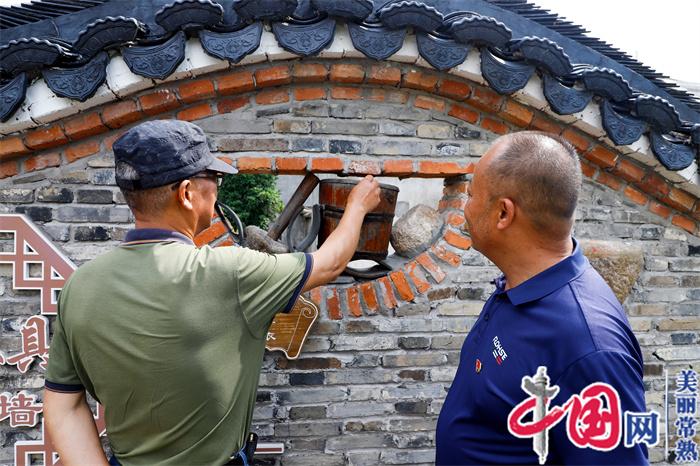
365 390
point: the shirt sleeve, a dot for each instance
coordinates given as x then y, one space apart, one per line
624 374
61 375
268 284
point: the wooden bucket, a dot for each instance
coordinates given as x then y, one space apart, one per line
376 228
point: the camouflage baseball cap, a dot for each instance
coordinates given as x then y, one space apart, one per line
161 152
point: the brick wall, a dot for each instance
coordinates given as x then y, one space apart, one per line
376 367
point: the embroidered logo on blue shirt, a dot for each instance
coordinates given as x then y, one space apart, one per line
498 352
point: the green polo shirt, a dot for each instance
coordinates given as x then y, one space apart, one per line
170 339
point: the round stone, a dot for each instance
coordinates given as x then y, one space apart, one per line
416 230
256 238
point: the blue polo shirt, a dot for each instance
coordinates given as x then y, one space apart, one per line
565 318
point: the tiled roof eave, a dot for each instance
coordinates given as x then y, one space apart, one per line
151 39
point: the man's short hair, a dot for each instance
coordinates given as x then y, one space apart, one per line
541 172
147 202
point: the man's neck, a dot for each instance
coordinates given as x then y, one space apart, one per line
164 224
524 263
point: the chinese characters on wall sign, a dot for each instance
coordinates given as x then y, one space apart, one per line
34 336
36 265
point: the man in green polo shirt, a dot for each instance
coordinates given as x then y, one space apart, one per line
167 336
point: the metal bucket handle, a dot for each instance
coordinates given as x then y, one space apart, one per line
227 215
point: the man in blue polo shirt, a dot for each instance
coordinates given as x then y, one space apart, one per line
551 310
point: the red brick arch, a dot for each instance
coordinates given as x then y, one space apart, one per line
89 133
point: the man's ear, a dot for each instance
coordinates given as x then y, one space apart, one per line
506 213
185 194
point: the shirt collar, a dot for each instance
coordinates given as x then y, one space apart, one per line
154 235
546 281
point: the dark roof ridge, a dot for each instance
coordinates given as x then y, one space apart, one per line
41 10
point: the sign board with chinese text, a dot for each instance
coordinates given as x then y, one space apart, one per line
288 331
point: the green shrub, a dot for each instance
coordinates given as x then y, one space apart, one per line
255 198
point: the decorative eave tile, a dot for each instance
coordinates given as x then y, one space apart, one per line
12 95
564 100
504 76
78 83
442 53
674 156
156 61
376 41
232 46
621 129
304 39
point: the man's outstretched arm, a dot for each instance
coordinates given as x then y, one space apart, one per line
71 427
